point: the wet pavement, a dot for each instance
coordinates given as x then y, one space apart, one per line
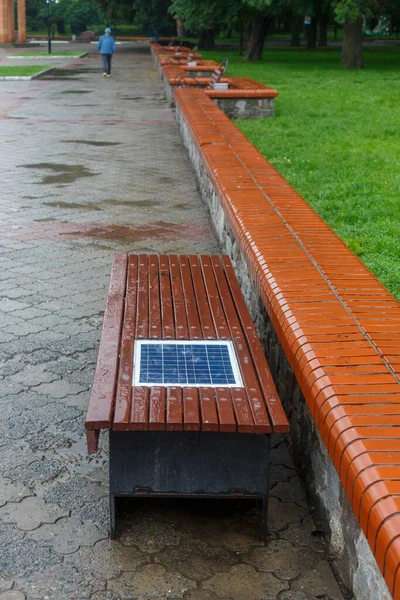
91 166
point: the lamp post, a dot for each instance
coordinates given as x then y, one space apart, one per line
49 22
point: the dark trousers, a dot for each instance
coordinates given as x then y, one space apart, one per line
106 60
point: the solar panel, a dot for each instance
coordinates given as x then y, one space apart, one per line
194 363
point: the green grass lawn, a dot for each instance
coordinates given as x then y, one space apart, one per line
22 71
56 53
336 139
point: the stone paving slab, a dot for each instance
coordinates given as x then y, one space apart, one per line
93 166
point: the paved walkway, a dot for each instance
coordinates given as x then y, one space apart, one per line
91 166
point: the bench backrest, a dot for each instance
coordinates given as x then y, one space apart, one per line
191 54
217 73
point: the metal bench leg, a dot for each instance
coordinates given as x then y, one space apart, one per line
113 529
264 519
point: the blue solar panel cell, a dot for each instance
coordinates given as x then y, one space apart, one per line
185 364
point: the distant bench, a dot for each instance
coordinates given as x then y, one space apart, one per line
87 36
183 418
243 99
337 324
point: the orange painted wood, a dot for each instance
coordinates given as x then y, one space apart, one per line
101 401
338 326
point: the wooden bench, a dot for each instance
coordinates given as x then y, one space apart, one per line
181 438
187 80
87 36
338 325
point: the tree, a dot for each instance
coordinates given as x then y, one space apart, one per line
78 13
116 11
350 14
203 17
260 23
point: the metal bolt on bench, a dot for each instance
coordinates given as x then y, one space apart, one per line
182 384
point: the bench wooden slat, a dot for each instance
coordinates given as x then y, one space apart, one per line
101 402
174 414
154 299
181 323
124 388
242 410
142 323
209 416
195 332
157 408
226 414
167 313
275 409
206 319
217 311
255 397
140 408
191 415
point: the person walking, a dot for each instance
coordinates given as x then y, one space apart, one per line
106 46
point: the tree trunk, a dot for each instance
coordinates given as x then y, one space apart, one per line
241 38
312 34
257 37
296 30
180 29
352 45
206 39
323 30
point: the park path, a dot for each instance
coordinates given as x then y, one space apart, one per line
91 166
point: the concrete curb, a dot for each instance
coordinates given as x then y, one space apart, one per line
47 56
25 77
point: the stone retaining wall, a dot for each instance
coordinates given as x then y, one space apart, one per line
246 108
349 548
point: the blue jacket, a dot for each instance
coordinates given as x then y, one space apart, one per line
106 44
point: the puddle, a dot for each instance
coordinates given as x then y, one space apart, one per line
73 205
165 179
125 234
66 173
181 206
46 220
132 203
77 92
66 72
89 142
